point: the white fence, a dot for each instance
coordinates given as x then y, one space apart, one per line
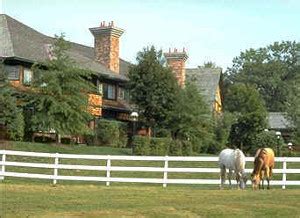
108 167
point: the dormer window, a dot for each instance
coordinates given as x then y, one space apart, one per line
27 76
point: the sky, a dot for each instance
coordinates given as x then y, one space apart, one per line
210 30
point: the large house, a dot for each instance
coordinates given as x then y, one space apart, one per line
21 46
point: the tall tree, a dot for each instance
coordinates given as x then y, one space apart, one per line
10 114
190 119
251 115
153 87
270 69
293 106
59 94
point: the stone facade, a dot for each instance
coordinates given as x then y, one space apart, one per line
107 45
176 60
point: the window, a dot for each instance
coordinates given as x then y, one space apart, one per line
109 91
27 76
12 72
121 93
99 87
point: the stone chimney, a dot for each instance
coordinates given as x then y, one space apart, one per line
106 45
176 61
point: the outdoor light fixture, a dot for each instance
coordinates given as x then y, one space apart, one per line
134 116
278 135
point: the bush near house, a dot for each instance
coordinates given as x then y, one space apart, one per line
110 133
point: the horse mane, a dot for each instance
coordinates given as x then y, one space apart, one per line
258 161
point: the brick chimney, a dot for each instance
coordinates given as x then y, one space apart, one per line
176 61
106 45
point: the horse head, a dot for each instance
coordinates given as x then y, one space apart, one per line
255 178
243 180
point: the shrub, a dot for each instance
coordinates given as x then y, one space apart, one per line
111 133
160 146
176 148
141 145
187 148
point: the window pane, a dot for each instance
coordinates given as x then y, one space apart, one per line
111 92
27 76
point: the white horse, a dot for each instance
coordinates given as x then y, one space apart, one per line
233 160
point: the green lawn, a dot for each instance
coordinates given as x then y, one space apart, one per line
40 200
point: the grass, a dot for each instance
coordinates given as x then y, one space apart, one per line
40 200
65 149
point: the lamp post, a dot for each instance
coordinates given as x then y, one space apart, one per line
290 147
134 118
278 135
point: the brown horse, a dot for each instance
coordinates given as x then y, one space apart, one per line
263 166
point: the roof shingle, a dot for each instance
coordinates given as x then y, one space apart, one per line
206 79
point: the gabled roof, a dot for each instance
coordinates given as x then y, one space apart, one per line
206 79
278 120
23 42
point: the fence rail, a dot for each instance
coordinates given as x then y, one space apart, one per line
56 166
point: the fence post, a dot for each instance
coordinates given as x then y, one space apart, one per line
165 172
284 173
3 166
55 169
108 164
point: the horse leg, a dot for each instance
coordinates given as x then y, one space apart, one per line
223 175
229 177
268 177
238 180
262 175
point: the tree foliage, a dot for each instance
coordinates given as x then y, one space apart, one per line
270 69
293 106
10 114
209 64
59 94
190 119
180 113
153 87
251 115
